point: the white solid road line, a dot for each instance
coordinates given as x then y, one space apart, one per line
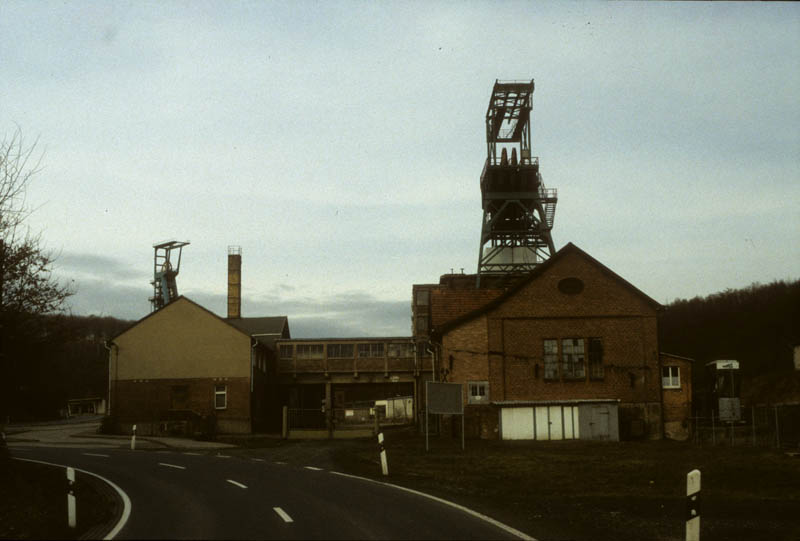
126 501
283 514
172 466
96 454
490 520
313 468
231 481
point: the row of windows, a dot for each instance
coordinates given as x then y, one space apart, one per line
573 359
346 351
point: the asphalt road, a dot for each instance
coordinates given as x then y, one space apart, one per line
178 495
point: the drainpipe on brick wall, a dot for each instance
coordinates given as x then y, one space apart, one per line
108 346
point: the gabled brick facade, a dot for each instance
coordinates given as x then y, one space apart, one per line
571 330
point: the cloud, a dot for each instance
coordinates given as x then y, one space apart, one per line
93 265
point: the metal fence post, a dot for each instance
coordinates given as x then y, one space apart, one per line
713 430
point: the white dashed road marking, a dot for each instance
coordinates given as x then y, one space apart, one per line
190 453
96 454
172 466
313 468
258 459
231 481
223 456
283 514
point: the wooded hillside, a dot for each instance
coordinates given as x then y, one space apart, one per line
758 326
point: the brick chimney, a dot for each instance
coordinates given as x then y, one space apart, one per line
234 282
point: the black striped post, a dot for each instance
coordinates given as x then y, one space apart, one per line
382 450
71 511
693 505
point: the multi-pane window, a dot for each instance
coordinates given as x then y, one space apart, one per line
478 392
670 377
370 350
310 351
403 349
596 370
551 359
422 297
340 351
220 397
287 351
573 358
421 323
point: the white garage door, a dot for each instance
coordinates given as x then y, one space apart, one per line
517 423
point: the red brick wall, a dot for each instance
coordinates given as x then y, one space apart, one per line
677 403
505 345
144 402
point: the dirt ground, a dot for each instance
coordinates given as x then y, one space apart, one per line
579 489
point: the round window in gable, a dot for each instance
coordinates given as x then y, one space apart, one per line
570 286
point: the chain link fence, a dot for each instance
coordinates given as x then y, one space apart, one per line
775 426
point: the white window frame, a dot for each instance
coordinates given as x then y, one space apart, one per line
673 379
223 393
477 392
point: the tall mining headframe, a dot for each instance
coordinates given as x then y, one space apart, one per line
166 265
518 211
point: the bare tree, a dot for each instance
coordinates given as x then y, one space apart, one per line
27 287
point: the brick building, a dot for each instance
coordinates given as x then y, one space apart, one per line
184 369
676 395
571 347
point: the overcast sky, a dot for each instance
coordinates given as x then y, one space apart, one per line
340 144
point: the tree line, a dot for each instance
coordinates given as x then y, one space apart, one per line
758 326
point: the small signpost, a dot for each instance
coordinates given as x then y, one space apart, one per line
444 399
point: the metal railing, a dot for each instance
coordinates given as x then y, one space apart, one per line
759 426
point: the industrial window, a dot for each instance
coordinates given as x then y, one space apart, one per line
370 350
551 359
340 351
422 297
401 350
422 324
478 392
596 370
310 351
220 397
573 358
287 350
670 377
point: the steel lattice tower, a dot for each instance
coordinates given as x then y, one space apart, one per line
518 210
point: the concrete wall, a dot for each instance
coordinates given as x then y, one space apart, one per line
182 340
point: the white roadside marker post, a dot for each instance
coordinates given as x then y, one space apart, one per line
384 463
693 505
71 511
133 439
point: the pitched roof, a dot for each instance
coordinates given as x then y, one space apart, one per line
160 310
262 326
538 271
